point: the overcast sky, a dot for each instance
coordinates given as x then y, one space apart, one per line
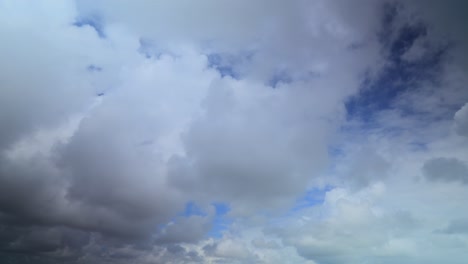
248 131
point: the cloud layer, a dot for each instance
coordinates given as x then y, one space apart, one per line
319 132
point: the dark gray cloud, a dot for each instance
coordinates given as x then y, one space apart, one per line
459 226
446 170
27 243
113 179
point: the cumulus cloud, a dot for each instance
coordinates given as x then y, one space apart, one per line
183 132
250 146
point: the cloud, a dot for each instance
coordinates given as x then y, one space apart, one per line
446 170
461 121
41 80
116 117
248 147
459 226
185 230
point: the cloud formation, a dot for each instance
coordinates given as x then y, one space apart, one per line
244 132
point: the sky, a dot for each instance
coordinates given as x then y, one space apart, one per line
266 131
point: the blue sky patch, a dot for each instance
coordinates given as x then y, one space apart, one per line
150 49
193 209
279 77
220 222
311 198
222 64
335 151
399 75
93 21
93 68
418 146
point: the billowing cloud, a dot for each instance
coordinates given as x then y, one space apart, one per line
242 132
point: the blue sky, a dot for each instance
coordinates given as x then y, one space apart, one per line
93 21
